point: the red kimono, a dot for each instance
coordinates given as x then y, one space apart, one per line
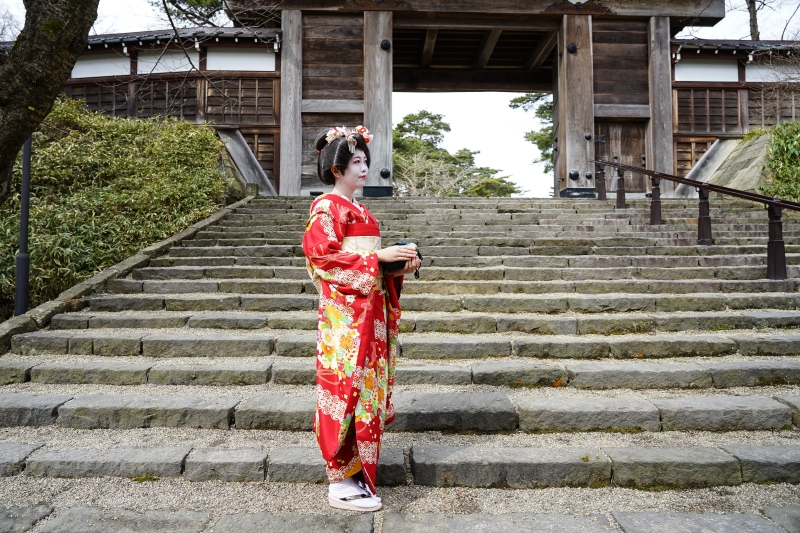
356 337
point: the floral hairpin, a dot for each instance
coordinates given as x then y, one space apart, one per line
350 135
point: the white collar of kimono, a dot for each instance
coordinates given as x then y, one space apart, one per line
353 201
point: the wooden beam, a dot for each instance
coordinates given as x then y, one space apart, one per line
378 94
333 106
454 24
427 51
487 47
707 11
453 80
542 51
621 111
291 147
658 135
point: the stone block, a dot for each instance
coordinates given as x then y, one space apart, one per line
702 321
767 344
212 302
119 344
767 464
794 404
128 411
670 303
455 323
130 462
181 287
615 325
42 314
755 373
224 464
70 321
101 373
17 519
127 303
391 468
286 413
774 319
20 409
456 466
434 374
295 373
677 346
787 517
461 347
123 286
430 302
296 465
271 303
760 301
564 347
81 344
548 325
16 371
648 522
138 321
211 375
639 376
40 342
294 523
458 412
12 457
292 321
586 414
515 303
302 345
97 520
519 375
228 321
213 345
623 303
673 468
503 523
723 413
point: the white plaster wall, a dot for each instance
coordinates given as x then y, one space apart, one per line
98 65
764 72
260 59
167 61
726 70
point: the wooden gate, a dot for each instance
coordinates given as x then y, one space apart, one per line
626 140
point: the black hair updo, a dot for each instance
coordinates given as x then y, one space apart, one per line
336 154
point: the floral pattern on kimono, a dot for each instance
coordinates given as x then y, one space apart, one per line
356 337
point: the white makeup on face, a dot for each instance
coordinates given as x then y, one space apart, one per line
355 175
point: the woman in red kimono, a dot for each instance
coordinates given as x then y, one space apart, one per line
358 320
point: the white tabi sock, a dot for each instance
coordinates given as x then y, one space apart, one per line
349 488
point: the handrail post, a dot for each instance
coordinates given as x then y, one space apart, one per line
621 191
655 203
704 220
776 254
600 183
23 260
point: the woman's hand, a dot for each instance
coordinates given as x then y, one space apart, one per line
405 253
411 267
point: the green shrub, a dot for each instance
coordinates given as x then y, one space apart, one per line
102 189
783 162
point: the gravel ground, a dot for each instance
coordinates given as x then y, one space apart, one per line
67 439
228 498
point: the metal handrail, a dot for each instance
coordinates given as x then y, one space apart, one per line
776 253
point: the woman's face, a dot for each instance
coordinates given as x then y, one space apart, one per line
355 175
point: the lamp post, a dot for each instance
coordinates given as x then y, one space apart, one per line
23 259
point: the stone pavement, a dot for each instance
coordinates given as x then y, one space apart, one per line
532 318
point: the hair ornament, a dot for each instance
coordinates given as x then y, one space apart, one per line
350 135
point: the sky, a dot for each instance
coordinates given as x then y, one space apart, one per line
478 121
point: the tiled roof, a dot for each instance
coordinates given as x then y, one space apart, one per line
720 44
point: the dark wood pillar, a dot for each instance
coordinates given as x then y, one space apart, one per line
291 147
378 100
659 128
575 107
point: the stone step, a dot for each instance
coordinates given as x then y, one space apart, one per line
459 322
441 466
635 375
202 343
477 273
456 412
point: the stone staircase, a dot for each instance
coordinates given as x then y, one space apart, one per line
607 370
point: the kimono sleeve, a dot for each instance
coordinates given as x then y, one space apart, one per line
351 272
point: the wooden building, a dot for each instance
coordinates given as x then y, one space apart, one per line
621 84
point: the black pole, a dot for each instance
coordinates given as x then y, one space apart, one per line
655 203
23 259
776 254
704 220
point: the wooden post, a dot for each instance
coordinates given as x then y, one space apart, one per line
621 204
600 183
378 100
659 128
576 104
776 254
655 203
704 220
291 148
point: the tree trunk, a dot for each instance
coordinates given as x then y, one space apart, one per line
35 70
751 8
